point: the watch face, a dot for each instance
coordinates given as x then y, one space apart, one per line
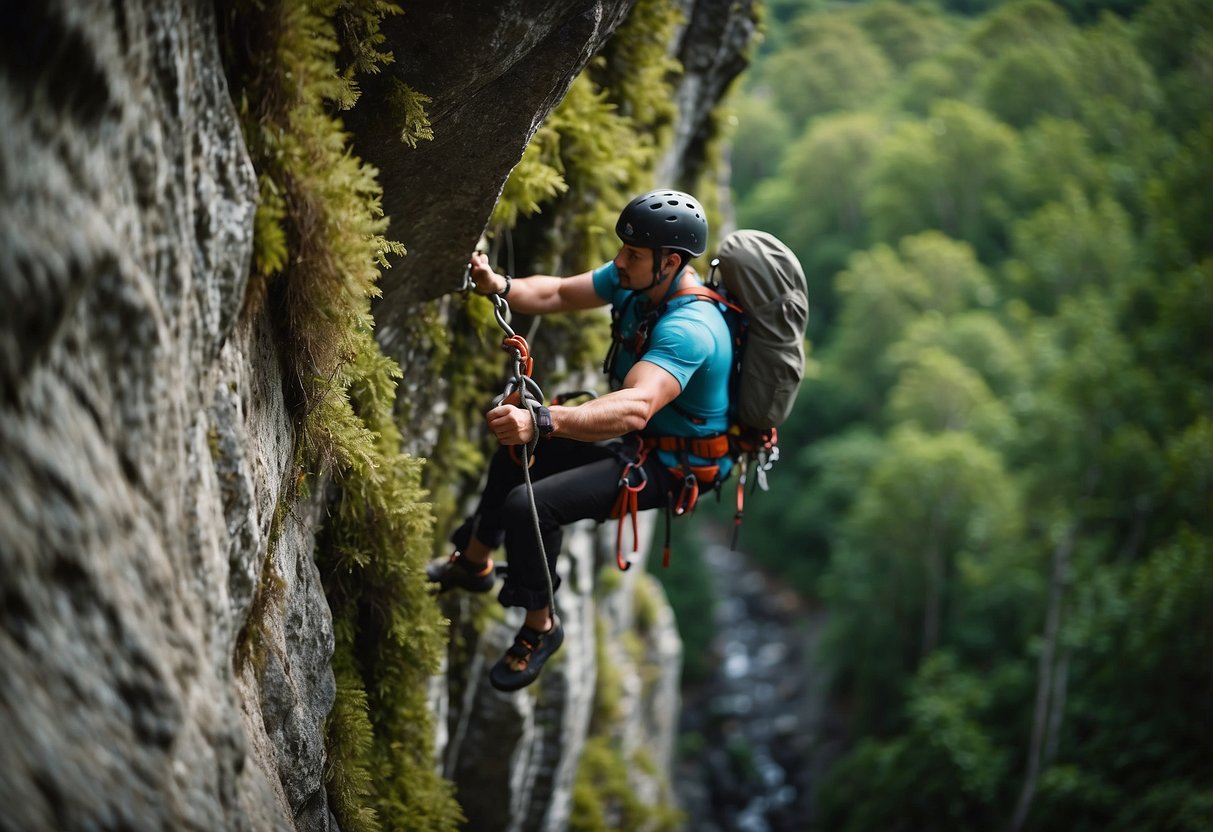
544 421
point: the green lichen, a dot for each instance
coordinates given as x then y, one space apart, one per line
390 636
604 797
608 684
358 27
604 794
647 602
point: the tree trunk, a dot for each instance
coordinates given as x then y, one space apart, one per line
1061 677
1045 681
933 602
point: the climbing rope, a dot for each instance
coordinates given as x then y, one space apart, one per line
522 391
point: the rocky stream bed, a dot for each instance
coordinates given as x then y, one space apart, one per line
756 735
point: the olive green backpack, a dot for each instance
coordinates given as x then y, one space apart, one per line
758 274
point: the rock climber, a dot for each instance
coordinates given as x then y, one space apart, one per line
669 395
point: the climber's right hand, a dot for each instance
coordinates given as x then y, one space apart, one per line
486 281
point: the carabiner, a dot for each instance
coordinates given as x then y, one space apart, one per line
688 496
625 478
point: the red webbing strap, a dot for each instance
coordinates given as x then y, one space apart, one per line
665 550
741 471
627 503
703 292
708 447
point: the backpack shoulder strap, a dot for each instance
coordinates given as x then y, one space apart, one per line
701 292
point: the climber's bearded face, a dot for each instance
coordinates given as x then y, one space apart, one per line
635 266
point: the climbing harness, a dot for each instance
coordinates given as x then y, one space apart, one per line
693 480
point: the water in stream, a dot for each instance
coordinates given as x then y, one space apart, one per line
755 735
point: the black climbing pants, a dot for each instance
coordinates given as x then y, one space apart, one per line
572 481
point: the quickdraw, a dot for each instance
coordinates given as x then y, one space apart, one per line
632 481
522 391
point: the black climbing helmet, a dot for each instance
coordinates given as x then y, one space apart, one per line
664 219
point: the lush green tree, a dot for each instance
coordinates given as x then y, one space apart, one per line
1176 38
1188 480
1032 81
1179 208
1117 84
1057 156
1021 22
905 33
949 75
815 203
979 340
1088 11
937 392
809 493
1169 32
1070 246
831 65
942 772
954 171
825 166
1169 319
890 587
1135 750
1006 453
760 134
883 291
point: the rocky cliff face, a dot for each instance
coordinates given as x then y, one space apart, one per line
513 758
145 446
128 556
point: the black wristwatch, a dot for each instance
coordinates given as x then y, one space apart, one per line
543 421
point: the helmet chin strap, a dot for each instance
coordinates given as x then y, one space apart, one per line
657 278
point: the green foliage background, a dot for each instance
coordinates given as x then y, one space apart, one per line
999 475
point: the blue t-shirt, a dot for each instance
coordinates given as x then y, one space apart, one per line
690 341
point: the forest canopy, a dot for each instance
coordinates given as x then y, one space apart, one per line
999 477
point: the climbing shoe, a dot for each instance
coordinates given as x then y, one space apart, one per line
522 662
459 572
